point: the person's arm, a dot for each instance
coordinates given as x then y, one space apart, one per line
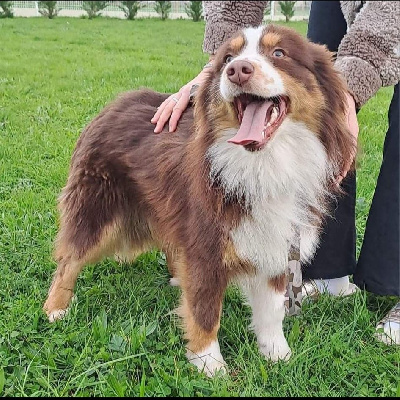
369 54
369 57
223 18
173 106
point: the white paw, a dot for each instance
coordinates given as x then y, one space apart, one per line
60 313
211 368
209 361
275 348
57 315
174 282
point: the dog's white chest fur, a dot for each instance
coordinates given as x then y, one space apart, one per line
279 186
265 236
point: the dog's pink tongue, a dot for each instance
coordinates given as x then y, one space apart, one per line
253 122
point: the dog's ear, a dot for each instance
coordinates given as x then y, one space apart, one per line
335 134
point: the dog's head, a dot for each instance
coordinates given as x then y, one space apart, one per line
264 78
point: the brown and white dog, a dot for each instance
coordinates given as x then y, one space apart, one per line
227 196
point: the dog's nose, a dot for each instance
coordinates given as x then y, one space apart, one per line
240 72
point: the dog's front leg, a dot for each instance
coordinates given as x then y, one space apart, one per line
201 305
266 297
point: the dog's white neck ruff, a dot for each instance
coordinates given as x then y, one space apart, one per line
279 185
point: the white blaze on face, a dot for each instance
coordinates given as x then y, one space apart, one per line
267 82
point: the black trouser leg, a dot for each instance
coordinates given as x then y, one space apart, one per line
336 255
378 268
326 24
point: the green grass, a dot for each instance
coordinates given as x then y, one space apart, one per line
120 338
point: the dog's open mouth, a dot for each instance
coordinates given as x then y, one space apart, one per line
259 118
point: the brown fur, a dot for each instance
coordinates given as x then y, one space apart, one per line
270 40
279 282
130 190
310 65
237 43
197 337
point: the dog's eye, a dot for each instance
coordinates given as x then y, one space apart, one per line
228 58
278 53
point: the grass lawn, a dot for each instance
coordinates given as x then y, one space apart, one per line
120 338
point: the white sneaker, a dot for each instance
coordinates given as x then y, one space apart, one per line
311 291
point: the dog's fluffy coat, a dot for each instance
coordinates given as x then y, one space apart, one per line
219 211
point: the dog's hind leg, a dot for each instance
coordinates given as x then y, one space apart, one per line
62 288
70 261
266 297
90 229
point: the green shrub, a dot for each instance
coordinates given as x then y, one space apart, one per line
130 8
93 8
48 8
6 6
163 8
194 9
287 9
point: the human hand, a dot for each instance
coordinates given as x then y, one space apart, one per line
173 107
352 124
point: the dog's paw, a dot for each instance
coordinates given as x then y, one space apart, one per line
56 315
210 367
209 361
275 349
174 282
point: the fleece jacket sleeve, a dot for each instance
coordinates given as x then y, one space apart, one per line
369 54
